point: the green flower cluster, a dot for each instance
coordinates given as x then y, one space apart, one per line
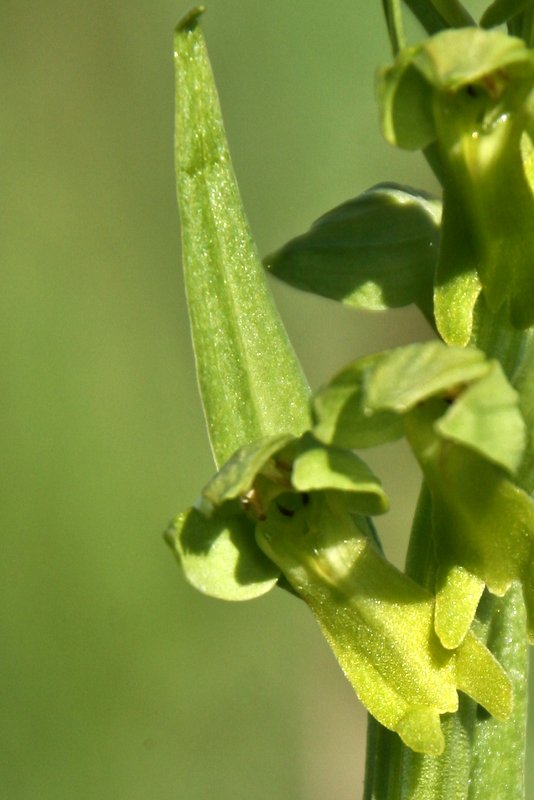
299 508
292 504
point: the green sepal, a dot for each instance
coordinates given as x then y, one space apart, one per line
482 523
379 623
468 91
219 555
453 65
214 541
250 380
474 436
319 467
480 408
405 102
236 478
341 414
375 252
405 376
486 418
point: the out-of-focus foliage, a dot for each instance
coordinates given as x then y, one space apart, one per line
106 682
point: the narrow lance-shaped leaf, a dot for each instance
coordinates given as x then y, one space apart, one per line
522 24
378 622
250 381
375 252
437 15
500 11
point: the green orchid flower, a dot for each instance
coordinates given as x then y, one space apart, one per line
468 93
462 419
214 541
295 509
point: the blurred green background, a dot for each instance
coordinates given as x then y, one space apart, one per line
117 680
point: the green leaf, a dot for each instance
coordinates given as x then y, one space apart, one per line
523 24
379 624
500 11
318 467
523 383
482 523
219 555
250 381
497 757
436 15
375 252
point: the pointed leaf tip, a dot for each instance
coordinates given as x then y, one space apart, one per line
250 380
190 20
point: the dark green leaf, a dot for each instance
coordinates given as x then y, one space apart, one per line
375 252
522 25
436 15
500 11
